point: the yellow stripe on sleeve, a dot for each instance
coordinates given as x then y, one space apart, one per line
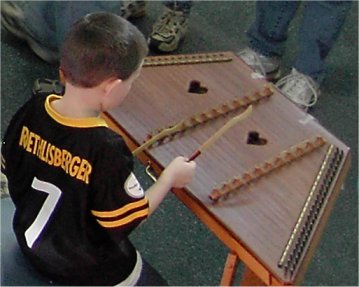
122 210
123 221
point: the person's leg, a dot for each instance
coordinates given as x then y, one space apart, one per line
320 26
267 36
14 20
268 33
68 12
183 6
170 28
321 23
46 23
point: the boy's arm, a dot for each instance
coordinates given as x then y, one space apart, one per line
177 174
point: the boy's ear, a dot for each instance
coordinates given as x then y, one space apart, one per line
62 76
111 84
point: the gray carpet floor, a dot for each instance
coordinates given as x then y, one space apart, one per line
180 247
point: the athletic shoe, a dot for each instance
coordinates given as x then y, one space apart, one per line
267 67
300 89
168 31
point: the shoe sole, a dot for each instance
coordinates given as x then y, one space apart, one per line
163 46
155 45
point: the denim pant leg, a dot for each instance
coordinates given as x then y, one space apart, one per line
49 21
183 5
268 33
40 21
321 23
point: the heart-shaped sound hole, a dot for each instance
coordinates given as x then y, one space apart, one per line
196 88
254 138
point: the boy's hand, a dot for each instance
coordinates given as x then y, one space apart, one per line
179 172
176 175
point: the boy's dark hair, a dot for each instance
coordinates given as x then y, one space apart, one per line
100 46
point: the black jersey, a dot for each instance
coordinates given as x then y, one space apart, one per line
76 196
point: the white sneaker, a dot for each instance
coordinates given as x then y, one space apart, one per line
267 67
300 89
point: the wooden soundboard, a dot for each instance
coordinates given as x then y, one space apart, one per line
267 186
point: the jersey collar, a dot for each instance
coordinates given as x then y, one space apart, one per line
71 122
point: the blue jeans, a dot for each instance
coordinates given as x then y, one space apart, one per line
183 5
48 21
319 28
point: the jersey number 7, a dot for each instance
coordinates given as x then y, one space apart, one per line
54 194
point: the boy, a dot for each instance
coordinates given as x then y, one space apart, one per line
70 177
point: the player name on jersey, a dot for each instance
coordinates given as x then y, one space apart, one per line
73 165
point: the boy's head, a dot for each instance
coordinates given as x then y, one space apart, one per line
101 46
